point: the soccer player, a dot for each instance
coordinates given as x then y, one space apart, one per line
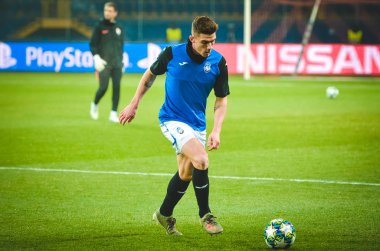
107 43
192 69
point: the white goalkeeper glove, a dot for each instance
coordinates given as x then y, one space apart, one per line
100 64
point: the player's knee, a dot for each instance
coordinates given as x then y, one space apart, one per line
101 91
201 161
103 88
185 176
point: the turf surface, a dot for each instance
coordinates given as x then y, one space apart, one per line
277 129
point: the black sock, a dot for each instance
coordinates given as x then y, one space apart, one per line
201 188
176 189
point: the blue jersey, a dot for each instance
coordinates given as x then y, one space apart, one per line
189 81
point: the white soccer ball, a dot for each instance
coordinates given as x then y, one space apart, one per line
332 92
279 233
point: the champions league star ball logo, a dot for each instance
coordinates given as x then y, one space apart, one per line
207 67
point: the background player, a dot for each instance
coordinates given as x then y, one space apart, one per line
107 43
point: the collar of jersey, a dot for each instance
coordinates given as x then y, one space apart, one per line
108 22
196 57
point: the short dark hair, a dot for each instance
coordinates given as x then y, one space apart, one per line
111 4
204 25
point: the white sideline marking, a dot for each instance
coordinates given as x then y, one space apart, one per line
169 174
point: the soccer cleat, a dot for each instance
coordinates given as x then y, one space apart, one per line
94 111
209 223
113 117
166 222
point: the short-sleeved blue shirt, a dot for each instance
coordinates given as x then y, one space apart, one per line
189 81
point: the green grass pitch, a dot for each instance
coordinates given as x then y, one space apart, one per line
277 129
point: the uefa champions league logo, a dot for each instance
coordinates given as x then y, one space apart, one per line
6 60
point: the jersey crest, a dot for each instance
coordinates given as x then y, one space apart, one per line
207 67
118 31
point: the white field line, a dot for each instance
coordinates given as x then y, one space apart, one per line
169 175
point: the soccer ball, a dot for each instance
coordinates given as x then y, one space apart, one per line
332 92
279 233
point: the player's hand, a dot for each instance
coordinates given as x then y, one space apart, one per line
99 63
127 115
213 141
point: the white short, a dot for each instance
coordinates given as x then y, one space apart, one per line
179 133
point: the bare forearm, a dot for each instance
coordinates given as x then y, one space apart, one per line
145 83
220 111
